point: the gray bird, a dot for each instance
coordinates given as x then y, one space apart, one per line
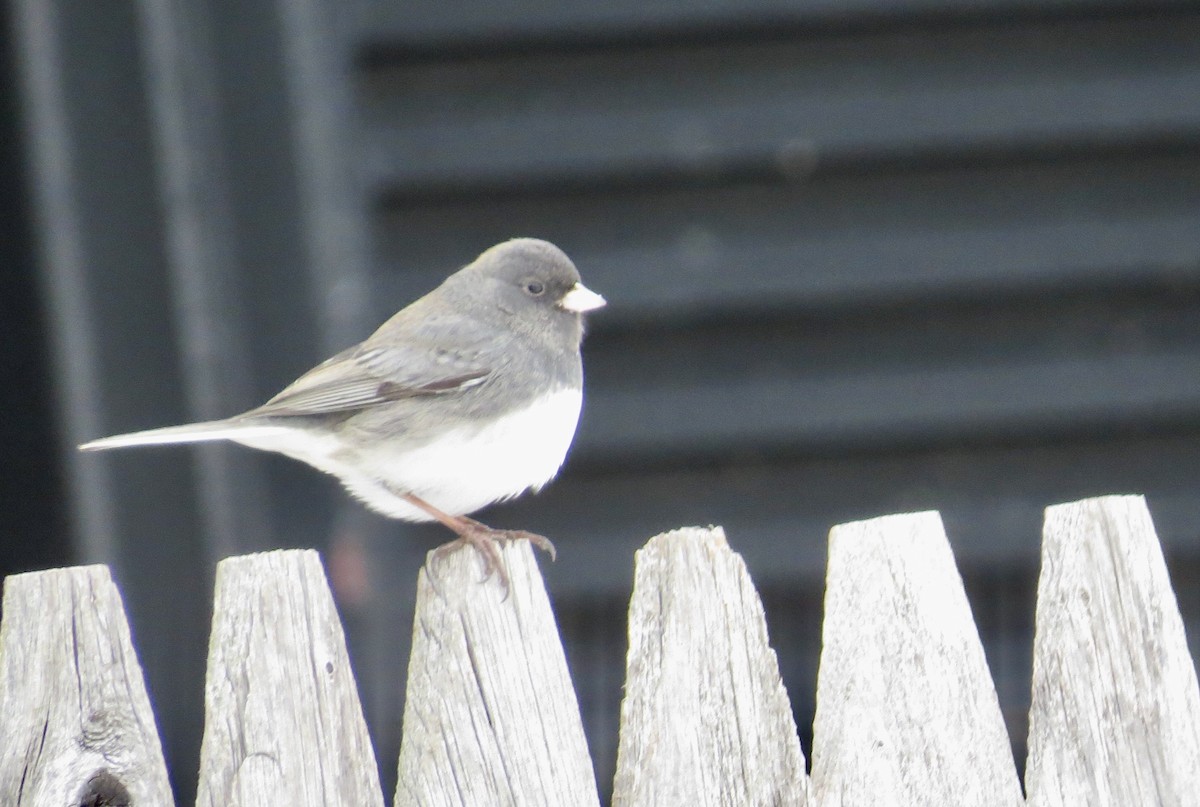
468 396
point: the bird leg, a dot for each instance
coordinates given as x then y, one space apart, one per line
485 539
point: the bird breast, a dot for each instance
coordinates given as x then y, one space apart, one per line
471 467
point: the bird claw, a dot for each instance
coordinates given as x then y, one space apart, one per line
486 541
540 541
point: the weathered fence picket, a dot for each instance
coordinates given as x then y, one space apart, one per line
705 719
906 710
75 721
1115 718
490 715
280 695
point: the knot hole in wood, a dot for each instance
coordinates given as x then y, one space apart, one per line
103 789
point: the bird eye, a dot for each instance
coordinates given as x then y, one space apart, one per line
534 287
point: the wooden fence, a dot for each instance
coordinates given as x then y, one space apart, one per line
906 710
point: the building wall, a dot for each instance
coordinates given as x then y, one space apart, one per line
861 257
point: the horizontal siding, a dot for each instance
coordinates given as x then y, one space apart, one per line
786 105
427 24
841 240
908 379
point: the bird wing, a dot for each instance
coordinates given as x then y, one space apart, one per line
367 375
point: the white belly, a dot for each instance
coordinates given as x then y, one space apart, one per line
459 473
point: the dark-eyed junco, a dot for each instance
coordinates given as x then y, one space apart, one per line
468 396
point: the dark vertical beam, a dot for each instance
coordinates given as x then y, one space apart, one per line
33 523
185 105
114 340
324 131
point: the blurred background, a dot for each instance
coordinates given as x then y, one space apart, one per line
861 256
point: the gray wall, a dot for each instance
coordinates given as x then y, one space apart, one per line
861 257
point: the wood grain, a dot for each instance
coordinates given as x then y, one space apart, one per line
705 719
1115 717
490 715
77 725
283 724
906 709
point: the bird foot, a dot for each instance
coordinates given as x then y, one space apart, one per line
486 541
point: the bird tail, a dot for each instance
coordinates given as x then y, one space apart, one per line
189 433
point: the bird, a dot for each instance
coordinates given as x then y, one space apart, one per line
468 396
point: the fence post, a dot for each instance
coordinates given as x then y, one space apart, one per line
907 712
490 715
705 719
1115 718
282 720
77 725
